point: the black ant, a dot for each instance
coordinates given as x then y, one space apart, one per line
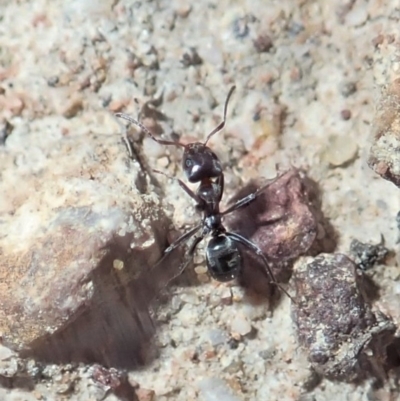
201 165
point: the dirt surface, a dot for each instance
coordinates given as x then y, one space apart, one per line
308 74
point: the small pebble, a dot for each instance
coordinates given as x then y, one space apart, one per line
345 114
176 304
191 58
237 293
38 395
241 325
348 88
9 368
240 27
116 106
378 40
209 354
203 278
341 150
367 255
217 337
5 353
187 317
163 162
73 107
294 28
233 343
144 394
201 269
267 354
357 16
183 10
132 382
221 295
230 363
190 298
53 81
255 312
65 388
295 74
226 297
12 103
214 389
118 264
263 43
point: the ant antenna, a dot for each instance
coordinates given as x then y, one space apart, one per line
147 131
222 123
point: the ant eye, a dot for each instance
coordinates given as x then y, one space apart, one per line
188 163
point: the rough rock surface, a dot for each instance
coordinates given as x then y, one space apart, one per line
334 320
308 76
366 256
73 227
280 222
384 155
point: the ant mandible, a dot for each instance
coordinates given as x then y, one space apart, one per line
201 165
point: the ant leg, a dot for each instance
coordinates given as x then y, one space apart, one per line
248 198
222 123
220 183
147 131
125 139
183 186
251 245
181 240
188 257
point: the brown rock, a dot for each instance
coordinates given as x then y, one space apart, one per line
75 233
279 221
335 323
263 43
345 114
293 227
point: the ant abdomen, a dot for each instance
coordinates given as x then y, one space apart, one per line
223 258
199 161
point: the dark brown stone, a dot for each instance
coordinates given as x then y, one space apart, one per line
335 323
279 222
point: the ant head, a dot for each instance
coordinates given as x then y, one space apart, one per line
200 162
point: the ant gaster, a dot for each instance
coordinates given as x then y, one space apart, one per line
201 165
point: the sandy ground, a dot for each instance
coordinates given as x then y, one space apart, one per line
308 76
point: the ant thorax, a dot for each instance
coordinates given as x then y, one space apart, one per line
210 191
